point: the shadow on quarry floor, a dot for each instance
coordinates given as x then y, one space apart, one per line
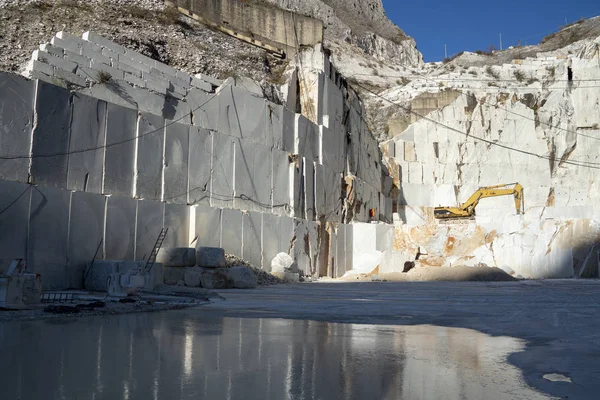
436 274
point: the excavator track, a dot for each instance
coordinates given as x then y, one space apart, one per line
456 221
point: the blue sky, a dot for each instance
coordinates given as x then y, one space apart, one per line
472 25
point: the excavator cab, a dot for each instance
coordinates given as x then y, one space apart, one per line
467 210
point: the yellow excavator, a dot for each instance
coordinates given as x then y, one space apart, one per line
467 210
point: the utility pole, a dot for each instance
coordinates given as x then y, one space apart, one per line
445 51
501 43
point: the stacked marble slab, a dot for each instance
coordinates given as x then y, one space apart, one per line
92 58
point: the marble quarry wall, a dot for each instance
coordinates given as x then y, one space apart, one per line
545 137
282 29
103 147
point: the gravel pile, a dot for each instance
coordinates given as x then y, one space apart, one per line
264 278
149 4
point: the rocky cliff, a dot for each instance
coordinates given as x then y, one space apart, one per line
461 125
358 33
362 23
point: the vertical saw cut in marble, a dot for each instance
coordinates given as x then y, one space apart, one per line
333 149
315 243
353 151
333 106
306 138
281 182
177 220
290 92
121 220
328 194
150 220
230 119
223 159
86 235
177 143
208 226
243 115
289 131
301 245
252 238
271 243
48 235
296 189
309 189
205 109
16 122
200 160
320 192
253 180
51 136
343 249
370 167
151 136
231 232
88 131
14 222
274 125
287 234
350 262
332 250
119 162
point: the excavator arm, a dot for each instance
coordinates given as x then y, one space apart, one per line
468 208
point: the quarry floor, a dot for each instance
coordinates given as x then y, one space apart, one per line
558 320
354 340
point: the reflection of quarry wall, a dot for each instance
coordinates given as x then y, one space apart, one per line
546 139
275 26
214 162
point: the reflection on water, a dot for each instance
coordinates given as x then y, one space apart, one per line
188 355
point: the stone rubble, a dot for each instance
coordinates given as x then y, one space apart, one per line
140 25
264 278
242 277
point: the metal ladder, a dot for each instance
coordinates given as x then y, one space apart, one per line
155 250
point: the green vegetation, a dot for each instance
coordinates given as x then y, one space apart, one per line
519 75
103 77
490 71
447 60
